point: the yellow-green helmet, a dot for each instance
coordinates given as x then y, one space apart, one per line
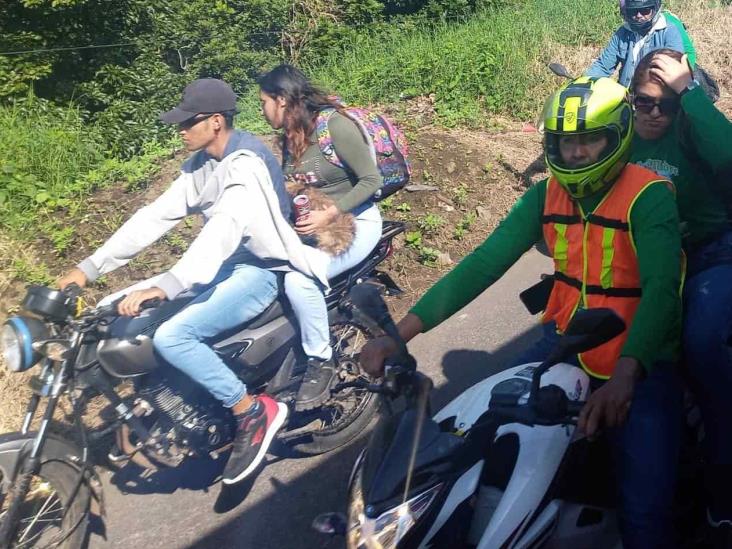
590 109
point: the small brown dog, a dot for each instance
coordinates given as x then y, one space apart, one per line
338 235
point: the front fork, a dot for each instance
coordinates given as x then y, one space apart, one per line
53 385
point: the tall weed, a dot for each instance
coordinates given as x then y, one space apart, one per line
43 149
50 158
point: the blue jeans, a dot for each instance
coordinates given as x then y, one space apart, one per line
707 332
306 295
708 355
237 294
645 451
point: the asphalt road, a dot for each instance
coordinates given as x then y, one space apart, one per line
183 509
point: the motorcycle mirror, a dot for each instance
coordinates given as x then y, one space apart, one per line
590 328
560 70
367 298
331 524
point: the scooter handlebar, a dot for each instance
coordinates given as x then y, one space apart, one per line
550 407
574 407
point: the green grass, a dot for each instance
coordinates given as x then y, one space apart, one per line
43 150
50 159
250 113
494 63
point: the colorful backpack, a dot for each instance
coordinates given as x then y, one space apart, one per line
387 143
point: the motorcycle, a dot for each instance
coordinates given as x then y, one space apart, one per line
500 466
48 482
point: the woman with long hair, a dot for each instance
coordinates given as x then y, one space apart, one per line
681 135
291 103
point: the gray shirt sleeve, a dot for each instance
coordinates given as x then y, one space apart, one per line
218 239
142 229
354 151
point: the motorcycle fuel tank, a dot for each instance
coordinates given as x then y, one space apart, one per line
128 357
127 351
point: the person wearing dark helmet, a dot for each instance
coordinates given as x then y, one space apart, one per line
646 29
612 230
234 182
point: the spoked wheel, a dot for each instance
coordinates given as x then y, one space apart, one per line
348 412
44 515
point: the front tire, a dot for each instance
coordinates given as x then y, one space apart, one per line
347 413
39 511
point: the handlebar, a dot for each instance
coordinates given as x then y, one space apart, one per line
574 407
110 310
550 407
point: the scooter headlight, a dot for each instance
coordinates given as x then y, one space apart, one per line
387 530
18 335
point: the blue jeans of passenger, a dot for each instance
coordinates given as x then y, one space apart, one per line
237 294
645 451
306 295
708 355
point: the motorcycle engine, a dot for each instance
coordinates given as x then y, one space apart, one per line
189 420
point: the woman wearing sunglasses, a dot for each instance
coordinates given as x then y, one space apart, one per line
681 135
646 29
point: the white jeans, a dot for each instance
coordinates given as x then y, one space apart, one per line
306 295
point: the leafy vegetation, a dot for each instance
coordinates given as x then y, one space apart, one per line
50 159
431 223
74 119
463 226
474 69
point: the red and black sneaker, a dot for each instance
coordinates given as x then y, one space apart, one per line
253 437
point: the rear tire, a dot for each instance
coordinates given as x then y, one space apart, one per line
41 520
347 339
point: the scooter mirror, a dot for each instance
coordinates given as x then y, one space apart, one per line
367 298
560 70
331 524
590 328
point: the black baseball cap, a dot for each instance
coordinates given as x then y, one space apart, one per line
205 95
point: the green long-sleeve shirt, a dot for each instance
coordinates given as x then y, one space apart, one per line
654 332
348 188
702 209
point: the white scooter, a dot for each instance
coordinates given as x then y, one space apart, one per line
500 466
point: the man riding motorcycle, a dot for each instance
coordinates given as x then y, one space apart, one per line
235 182
646 29
612 229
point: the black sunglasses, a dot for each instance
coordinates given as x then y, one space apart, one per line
188 124
643 12
645 104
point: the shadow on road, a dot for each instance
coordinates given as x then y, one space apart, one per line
283 518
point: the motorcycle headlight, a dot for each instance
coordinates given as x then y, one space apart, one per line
385 531
18 335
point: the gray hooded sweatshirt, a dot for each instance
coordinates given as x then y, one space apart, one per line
243 223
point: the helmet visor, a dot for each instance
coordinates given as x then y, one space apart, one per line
640 15
577 151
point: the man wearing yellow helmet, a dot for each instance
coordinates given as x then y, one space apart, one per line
612 229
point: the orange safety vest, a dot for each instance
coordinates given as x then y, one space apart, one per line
595 260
